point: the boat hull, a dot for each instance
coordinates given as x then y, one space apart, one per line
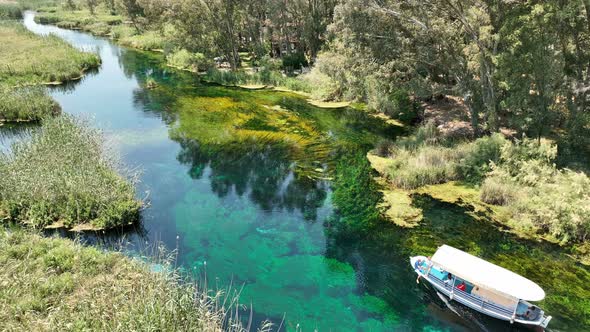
471 302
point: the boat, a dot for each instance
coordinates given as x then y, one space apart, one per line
482 286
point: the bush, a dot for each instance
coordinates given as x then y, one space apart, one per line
150 40
10 12
428 165
384 147
64 173
476 163
183 59
402 107
294 61
498 191
426 134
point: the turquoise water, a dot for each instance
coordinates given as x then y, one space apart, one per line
264 191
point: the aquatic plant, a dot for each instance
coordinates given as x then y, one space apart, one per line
26 104
59 284
64 174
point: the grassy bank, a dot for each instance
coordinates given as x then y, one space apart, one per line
27 60
517 182
64 175
52 284
267 72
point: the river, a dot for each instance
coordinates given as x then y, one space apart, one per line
263 191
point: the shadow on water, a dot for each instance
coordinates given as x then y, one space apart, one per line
269 192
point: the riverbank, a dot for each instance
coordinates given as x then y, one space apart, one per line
64 176
482 176
29 61
266 75
51 284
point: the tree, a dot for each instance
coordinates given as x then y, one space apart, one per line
135 12
91 4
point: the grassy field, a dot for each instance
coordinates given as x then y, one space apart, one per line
27 60
64 175
53 284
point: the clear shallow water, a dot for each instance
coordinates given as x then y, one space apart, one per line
254 185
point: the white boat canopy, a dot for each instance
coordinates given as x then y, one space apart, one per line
486 275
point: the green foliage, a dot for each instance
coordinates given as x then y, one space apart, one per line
9 11
476 164
63 173
26 104
495 190
425 166
56 284
426 134
294 61
183 59
264 76
550 201
423 159
149 40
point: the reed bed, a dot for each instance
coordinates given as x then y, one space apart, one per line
26 58
26 104
55 284
64 174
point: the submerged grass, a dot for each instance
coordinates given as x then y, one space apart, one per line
52 284
64 174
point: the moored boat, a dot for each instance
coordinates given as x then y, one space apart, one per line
482 286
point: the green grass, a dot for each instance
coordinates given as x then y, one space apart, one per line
10 11
261 77
26 104
65 175
99 24
26 60
53 284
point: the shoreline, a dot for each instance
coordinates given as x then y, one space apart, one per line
397 208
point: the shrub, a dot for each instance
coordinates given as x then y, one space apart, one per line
294 61
149 40
10 11
402 107
183 59
476 163
428 165
384 147
63 172
498 191
426 134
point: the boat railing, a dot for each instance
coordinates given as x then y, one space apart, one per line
473 299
